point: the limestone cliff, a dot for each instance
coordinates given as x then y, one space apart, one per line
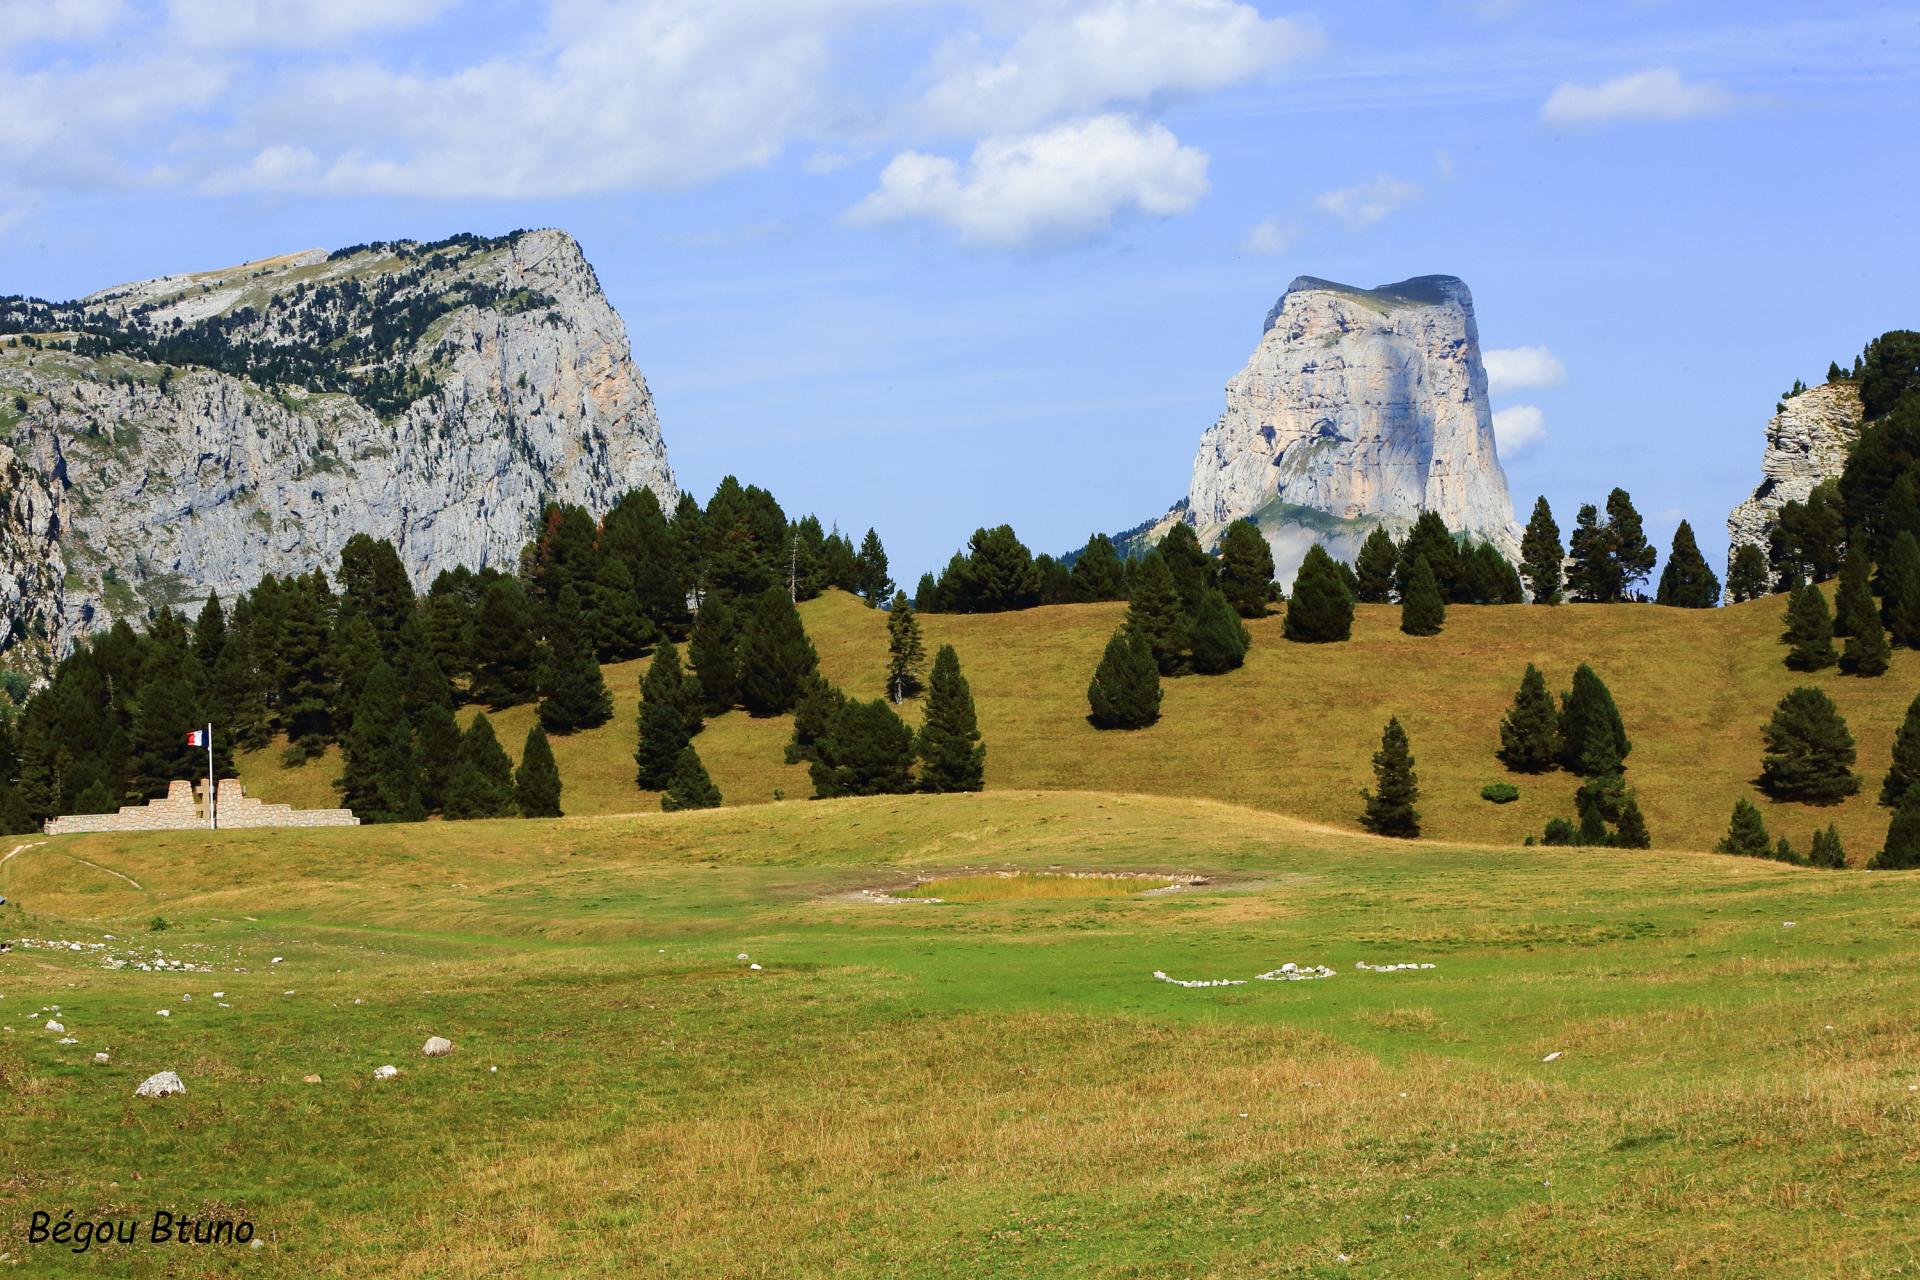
192 433
1808 441
1358 407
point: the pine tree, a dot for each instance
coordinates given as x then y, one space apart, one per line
1529 734
1593 739
1902 849
669 717
1321 607
1097 571
906 651
1900 585
210 634
774 655
1904 771
1853 598
1687 582
1594 577
351 653
812 718
1631 830
1809 752
437 747
636 533
160 725
713 650
1219 639
1632 554
868 751
1125 692
1746 833
620 630
1486 577
505 646
1542 558
536 783
1809 633
1827 850
573 693
1157 614
1246 568
871 569
1422 611
1867 653
1747 573
1190 567
380 780
948 747
374 585
1390 810
1373 567
689 787
1432 541
481 785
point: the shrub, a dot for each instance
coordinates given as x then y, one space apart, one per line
1500 792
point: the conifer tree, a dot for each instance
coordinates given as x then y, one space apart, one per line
812 717
713 650
1422 611
1809 752
1593 739
1219 639
374 585
1390 810
1867 652
1097 571
1189 566
1529 734
1125 692
1321 607
1747 577
774 655
689 787
1432 541
1902 849
1632 554
243 688
306 679
620 629
1904 771
1373 567
1746 833
481 784
573 693
948 747
210 633
505 646
380 780
1156 613
636 533
1827 850
669 717
1687 582
437 747
1486 577
1542 558
160 724
1809 633
351 654
926 594
871 569
1246 568
906 651
868 751
1631 830
536 783
1593 576
1900 585
1853 598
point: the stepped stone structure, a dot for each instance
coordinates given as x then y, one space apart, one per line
183 808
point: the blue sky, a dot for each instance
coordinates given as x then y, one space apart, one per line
928 266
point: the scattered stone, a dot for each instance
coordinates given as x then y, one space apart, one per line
1552 1057
753 966
387 1072
436 1047
163 1013
55 1026
101 1057
1161 976
311 1079
276 960
163 1085
219 995
66 1040
741 956
1295 973
1389 968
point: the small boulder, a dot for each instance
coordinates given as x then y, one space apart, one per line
163 1085
310 1079
101 1057
55 1026
436 1047
387 1072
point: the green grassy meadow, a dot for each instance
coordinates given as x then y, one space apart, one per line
963 1089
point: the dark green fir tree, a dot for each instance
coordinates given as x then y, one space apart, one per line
1422 611
689 786
436 746
713 650
1125 692
573 694
1156 613
868 751
1746 833
1900 587
1321 607
1373 567
1097 571
951 755
505 646
1904 772
1631 830
1593 738
774 656
812 717
536 783
1747 575
380 780
1542 558
1902 849
1809 633
1530 731
1686 582
481 785
906 651
1218 639
1827 850
1246 568
1809 752
670 715
1390 806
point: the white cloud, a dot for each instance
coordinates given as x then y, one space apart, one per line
1270 237
233 23
28 21
1367 203
1516 368
1657 94
1084 57
1518 428
1057 186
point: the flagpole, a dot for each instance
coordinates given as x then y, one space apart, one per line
213 789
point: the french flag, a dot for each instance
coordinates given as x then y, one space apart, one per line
198 738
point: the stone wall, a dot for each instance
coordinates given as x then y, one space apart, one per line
182 810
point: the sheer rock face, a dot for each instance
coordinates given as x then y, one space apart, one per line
1808 441
146 489
1359 407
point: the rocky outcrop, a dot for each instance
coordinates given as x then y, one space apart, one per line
434 395
1359 407
1808 441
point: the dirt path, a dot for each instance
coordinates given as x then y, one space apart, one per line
22 848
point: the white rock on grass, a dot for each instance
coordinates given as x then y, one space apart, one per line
67 1040
436 1047
1554 1056
162 1085
163 1013
55 1026
101 1057
387 1072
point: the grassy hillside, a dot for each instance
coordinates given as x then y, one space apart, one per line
1294 730
962 1090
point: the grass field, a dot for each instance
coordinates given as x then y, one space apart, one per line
1294 730
964 1089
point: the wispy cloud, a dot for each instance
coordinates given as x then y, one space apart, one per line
1657 94
1518 428
1271 236
1369 202
1518 368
